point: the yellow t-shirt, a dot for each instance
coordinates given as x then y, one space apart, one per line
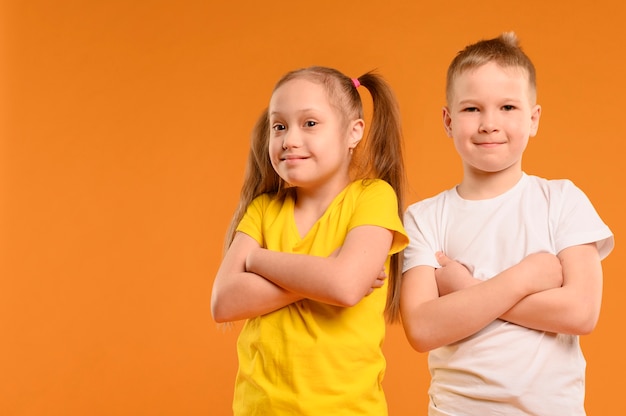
311 358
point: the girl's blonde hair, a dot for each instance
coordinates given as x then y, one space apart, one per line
503 50
379 156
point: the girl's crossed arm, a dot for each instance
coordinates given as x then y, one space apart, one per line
241 292
342 279
238 294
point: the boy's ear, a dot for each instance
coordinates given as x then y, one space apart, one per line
447 121
356 132
535 115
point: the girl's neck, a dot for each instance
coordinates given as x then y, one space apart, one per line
319 197
312 203
487 185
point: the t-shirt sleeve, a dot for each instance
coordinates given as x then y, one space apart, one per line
578 222
422 246
252 220
378 205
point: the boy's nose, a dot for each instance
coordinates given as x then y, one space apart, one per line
487 124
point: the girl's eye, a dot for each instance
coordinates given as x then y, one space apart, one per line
310 123
278 127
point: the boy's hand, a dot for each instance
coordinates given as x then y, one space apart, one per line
543 271
452 275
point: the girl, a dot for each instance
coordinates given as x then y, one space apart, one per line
319 218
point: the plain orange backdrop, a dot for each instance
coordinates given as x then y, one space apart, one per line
124 131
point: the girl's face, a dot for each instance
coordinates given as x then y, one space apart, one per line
491 117
310 141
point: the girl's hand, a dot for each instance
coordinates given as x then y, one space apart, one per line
378 283
248 266
452 275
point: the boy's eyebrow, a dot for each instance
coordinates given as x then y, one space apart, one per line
474 100
466 102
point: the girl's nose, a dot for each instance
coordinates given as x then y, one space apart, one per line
291 139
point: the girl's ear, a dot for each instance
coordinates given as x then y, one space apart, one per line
447 121
356 132
535 115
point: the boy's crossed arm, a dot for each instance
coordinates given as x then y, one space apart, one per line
571 308
432 320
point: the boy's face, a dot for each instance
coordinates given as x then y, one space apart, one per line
491 116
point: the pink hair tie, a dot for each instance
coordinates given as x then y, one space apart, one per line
356 82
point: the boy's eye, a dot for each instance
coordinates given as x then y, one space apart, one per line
470 109
310 123
508 107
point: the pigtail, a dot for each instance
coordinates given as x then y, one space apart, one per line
259 177
385 154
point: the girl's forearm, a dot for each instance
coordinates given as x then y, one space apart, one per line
342 279
237 294
320 278
247 295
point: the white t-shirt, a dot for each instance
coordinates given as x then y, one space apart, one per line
505 369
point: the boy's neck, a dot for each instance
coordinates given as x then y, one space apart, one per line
485 185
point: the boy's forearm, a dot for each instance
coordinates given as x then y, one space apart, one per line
551 311
574 307
535 311
447 319
541 310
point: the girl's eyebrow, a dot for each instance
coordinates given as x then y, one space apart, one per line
303 110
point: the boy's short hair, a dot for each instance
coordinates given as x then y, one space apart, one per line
504 50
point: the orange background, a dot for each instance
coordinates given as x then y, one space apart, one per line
124 134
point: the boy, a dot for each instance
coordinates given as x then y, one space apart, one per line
503 271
